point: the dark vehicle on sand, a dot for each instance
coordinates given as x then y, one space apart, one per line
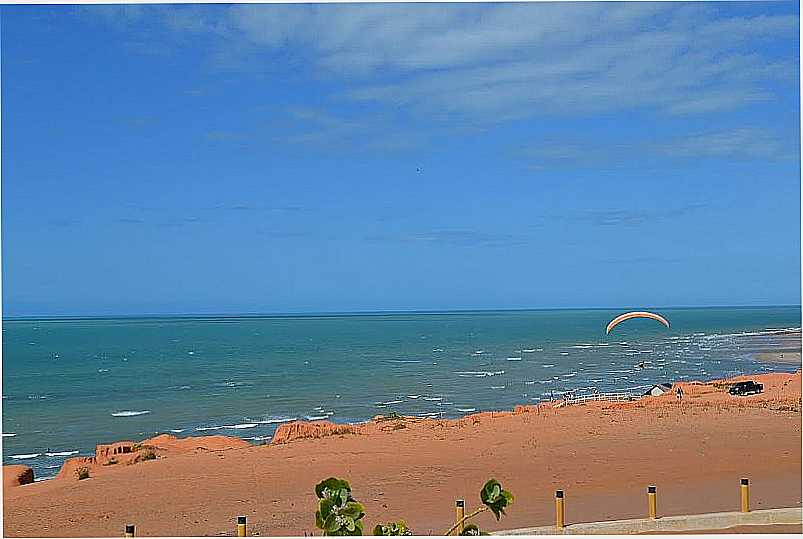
741 389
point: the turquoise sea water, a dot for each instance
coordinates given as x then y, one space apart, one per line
71 383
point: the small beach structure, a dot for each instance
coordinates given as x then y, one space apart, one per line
658 389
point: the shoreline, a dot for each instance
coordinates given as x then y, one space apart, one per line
533 449
770 358
232 403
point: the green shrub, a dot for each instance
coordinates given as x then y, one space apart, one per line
110 462
392 528
340 514
82 473
148 454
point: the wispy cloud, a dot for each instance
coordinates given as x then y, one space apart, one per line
454 237
496 62
731 144
629 216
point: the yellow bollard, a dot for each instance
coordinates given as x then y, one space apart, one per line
745 495
460 509
129 530
559 510
652 502
240 526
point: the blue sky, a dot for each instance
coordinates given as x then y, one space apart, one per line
286 158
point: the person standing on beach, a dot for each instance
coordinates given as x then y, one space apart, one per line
679 393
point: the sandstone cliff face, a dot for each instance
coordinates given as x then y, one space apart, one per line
125 453
15 475
318 429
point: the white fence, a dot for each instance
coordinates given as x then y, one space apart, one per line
596 397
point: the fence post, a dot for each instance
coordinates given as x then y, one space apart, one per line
559 510
241 526
745 488
129 530
460 509
652 501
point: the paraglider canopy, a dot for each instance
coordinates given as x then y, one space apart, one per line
635 314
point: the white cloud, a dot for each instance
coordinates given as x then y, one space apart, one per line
731 144
494 62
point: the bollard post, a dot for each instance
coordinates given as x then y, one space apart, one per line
652 502
129 530
460 510
559 510
241 526
745 488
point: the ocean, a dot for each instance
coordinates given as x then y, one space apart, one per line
69 384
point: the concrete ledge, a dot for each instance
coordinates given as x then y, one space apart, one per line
710 521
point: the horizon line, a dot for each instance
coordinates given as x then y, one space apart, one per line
377 312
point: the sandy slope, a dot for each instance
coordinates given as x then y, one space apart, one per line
602 454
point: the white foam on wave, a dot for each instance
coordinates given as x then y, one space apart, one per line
466 410
528 350
240 426
413 396
9 434
388 403
433 398
497 387
62 453
514 359
25 456
277 420
547 365
316 417
216 427
130 413
177 431
479 374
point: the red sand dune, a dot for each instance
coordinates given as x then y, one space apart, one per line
602 454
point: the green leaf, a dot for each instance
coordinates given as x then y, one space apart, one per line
318 520
333 484
325 506
495 497
331 524
353 509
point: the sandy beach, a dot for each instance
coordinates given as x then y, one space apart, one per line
602 454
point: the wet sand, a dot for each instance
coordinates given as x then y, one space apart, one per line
780 357
603 455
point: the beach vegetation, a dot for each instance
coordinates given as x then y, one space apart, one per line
340 514
148 454
392 528
110 462
82 473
